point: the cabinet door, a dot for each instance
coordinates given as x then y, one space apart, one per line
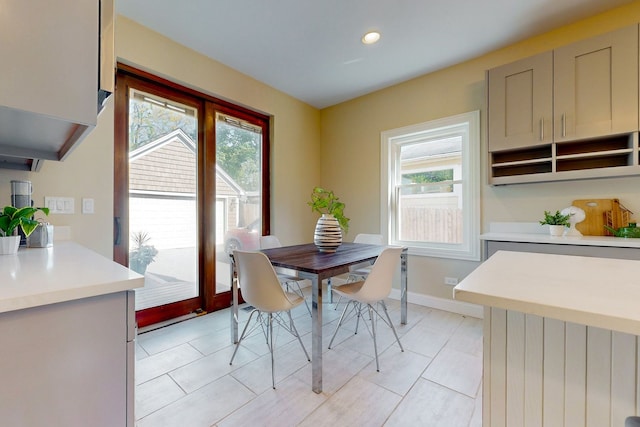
66 364
49 57
520 103
596 86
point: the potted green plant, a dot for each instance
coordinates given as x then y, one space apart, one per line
142 253
328 232
556 222
12 219
326 202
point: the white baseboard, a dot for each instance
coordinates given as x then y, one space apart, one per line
459 307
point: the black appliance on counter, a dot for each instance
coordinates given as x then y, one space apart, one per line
20 197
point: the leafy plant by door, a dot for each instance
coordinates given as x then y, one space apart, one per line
142 253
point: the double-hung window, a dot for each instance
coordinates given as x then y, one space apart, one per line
431 187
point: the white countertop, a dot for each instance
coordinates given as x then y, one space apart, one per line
619 242
64 272
599 292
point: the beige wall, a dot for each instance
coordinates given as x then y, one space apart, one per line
88 172
351 146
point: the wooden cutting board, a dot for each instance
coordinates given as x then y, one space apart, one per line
594 209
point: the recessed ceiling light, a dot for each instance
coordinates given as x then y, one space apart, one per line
371 37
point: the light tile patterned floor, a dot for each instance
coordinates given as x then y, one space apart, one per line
184 378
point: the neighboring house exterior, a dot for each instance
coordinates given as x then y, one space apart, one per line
163 179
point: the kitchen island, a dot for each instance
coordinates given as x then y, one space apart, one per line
67 328
560 338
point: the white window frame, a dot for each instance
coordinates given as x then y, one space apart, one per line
466 125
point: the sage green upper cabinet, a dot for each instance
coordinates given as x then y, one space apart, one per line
521 103
596 86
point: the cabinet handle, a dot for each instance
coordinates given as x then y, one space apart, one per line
564 126
542 129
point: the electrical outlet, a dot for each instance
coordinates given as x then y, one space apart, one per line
451 281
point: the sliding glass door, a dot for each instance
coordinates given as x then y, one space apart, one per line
163 198
191 183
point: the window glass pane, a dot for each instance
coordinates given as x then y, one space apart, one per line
431 213
163 199
432 190
430 210
238 186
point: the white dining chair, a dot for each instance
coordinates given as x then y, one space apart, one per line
362 270
261 288
632 421
370 294
288 281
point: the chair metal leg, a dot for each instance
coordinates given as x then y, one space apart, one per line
359 315
273 369
302 295
335 306
373 333
268 334
384 307
293 327
242 336
339 324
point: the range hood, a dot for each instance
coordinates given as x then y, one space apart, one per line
55 78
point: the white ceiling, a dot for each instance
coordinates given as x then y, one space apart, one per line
311 49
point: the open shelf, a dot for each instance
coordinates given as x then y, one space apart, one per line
525 161
616 155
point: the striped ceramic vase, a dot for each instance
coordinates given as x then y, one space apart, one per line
328 235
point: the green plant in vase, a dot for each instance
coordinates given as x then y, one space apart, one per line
326 202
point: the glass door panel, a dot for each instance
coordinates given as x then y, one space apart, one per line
163 199
238 215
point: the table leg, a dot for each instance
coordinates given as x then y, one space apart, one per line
403 287
316 333
234 304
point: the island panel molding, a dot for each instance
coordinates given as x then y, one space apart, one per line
561 334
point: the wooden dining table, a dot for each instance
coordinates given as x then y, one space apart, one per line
316 266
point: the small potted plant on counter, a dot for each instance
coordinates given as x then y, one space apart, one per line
10 219
557 222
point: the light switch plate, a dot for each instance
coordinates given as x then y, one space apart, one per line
60 205
87 206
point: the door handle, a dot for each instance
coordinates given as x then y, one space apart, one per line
116 230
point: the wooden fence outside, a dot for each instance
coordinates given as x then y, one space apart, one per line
440 225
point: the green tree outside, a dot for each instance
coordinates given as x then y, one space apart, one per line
238 150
